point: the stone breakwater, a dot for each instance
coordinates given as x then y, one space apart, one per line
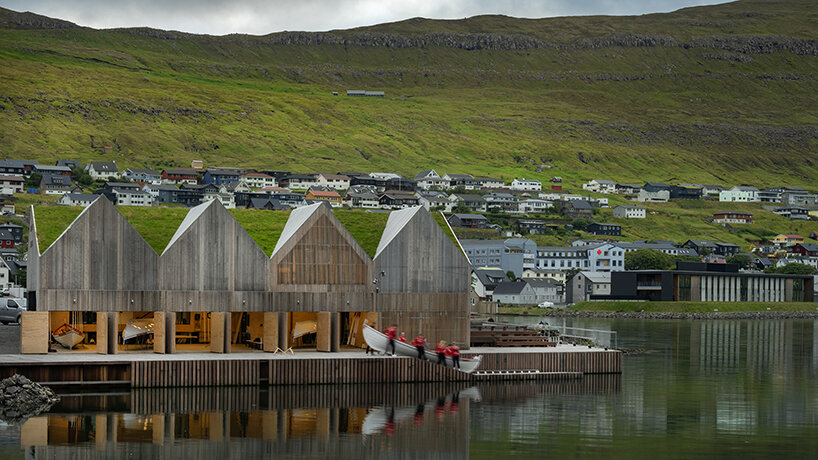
675 315
20 399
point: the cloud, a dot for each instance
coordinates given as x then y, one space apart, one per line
260 17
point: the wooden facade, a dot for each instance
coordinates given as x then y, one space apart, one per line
424 279
418 280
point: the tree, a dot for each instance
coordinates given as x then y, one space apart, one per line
648 259
462 208
81 176
510 275
580 224
742 260
792 268
33 181
570 274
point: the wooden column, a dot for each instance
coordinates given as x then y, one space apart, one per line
283 330
34 332
170 332
270 338
335 339
218 333
102 333
323 340
113 333
159 332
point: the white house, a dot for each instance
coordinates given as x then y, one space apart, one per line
490 182
535 205
384 176
659 196
430 179
629 212
436 201
11 184
527 185
128 197
333 181
77 199
600 186
258 180
227 199
102 170
741 193
144 176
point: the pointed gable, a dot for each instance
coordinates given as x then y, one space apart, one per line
415 255
100 250
210 251
315 248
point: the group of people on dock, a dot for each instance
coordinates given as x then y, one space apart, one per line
442 349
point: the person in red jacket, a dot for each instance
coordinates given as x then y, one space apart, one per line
418 343
453 351
440 349
402 337
390 333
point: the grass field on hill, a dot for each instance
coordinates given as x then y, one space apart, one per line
628 113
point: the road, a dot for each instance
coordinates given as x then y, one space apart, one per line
9 339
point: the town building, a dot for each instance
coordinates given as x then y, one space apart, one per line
102 170
526 185
333 181
180 176
11 184
258 180
77 199
397 200
535 227
485 280
784 240
534 206
468 221
739 193
732 217
629 212
511 255
793 213
601 228
600 186
332 197
475 203
430 179
219 176
576 209
587 285
143 175
56 184
705 247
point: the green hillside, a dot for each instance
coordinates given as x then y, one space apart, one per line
722 94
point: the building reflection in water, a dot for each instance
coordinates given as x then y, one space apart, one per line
355 421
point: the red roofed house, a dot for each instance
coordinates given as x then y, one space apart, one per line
733 217
332 197
180 176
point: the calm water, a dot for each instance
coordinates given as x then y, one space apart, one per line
710 388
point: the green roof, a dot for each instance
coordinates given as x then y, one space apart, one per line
156 225
52 221
365 227
263 226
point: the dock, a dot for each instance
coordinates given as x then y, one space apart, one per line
148 370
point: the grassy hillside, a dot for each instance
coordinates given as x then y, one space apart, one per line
722 94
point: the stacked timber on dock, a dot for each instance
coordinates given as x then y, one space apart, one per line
510 335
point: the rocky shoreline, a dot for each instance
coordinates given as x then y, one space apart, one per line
686 315
21 399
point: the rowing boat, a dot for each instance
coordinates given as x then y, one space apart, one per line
136 328
67 335
378 341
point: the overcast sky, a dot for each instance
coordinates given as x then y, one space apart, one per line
260 17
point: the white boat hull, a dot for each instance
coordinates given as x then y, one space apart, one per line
69 339
137 327
379 342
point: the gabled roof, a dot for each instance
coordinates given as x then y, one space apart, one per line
325 193
333 176
490 276
145 171
462 216
56 180
226 171
510 288
604 181
189 219
87 197
598 277
470 197
181 172
811 247
397 220
104 166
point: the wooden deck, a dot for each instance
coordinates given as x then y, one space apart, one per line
304 367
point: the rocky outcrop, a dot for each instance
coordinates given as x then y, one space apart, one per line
14 20
21 399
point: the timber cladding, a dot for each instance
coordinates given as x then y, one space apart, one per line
419 278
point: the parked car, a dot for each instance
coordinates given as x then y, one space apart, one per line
546 304
11 310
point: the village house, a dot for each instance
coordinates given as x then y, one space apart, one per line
400 184
686 192
130 197
732 217
475 203
740 193
600 186
70 163
430 179
219 176
712 190
11 184
186 195
502 201
359 196
102 170
809 201
258 180
180 176
793 213
576 209
775 194
15 230
485 281
13 167
546 290
332 197
535 206
468 221
460 180
56 184
526 185
516 292
629 212
805 249
667 247
628 189
143 176
220 194
384 176
267 204
598 256
512 254
489 182
535 227
705 247
437 201
77 199
654 192
598 228
397 200
333 181
783 240
298 181
154 189
587 285
46 169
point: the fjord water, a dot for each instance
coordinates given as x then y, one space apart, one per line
711 388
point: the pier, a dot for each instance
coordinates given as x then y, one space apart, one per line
146 370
